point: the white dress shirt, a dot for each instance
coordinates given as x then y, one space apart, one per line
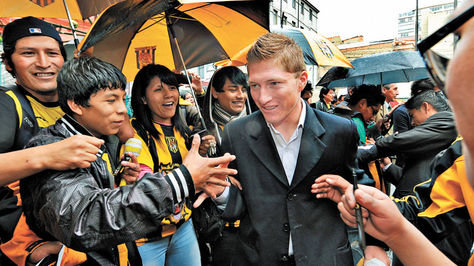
288 151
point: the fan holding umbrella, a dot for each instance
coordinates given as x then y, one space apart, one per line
176 34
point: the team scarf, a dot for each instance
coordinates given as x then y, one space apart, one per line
222 117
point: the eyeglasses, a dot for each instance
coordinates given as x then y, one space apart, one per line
437 49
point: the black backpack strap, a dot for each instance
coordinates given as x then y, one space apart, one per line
27 124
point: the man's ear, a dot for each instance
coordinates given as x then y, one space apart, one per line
214 93
425 107
302 80
6 63
76 108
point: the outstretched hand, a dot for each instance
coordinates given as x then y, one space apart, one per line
206 144
331 187
196 83
78 151
205 171
382 219
217 191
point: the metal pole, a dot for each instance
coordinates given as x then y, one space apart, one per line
76 42
416 24
281 13
298 13
173 35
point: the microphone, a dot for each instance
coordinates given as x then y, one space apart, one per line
133 146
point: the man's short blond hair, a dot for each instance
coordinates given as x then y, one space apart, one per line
279 47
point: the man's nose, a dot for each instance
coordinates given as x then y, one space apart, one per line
265 95
43 60
122 107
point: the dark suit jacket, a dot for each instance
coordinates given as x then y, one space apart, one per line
271 208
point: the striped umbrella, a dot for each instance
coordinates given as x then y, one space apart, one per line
317 50
179 35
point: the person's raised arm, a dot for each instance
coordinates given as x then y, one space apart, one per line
205 171
75 152
72 207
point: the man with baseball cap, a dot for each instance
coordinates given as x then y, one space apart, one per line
33 54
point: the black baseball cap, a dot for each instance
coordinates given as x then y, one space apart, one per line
25 27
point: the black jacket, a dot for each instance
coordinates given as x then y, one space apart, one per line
81 208
271 208
440 209
419 146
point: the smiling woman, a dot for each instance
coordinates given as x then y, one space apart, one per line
159 125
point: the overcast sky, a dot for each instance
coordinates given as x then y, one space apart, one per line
374 19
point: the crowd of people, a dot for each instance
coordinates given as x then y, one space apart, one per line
247 172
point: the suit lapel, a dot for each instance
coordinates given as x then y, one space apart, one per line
311 147
261 144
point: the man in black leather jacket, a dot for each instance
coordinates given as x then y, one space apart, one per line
82 208
435 131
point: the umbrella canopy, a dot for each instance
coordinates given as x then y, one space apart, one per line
317 50
79 9
132 34
378 69
333 73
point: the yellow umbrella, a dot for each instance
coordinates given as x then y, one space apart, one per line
132 34
78 9
317 50
238 59
70 9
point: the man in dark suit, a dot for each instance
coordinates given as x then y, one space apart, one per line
280 151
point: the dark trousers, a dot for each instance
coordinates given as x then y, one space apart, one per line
223 250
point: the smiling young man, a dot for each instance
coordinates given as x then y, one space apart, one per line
33 54
81 207
280 150
225 101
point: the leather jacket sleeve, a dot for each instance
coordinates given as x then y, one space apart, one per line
428 136
72 207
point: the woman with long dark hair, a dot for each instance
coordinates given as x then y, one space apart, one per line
164 134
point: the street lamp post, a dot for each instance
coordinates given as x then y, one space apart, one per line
416 24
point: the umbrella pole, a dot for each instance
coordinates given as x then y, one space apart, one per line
186 73
76 43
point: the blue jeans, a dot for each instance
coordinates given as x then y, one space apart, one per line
181 248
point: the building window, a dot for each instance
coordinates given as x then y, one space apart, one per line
449 6
275 17
293 3
302 8
311 15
